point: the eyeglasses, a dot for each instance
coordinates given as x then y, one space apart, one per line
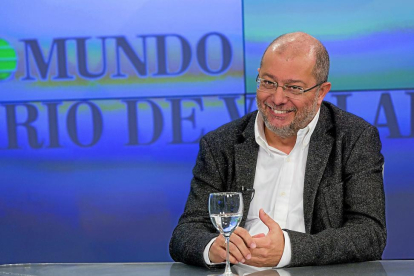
267 86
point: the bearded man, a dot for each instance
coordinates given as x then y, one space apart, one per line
310 173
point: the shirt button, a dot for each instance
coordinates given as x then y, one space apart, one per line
282 193
288 159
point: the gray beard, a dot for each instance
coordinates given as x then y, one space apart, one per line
300 121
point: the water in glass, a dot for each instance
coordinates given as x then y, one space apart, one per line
226 211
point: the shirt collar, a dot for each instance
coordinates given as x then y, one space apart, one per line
303 136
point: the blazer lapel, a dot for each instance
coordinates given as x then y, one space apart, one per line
320 147
245 164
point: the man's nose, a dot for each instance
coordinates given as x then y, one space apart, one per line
279 96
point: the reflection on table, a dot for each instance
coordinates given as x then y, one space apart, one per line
378 268
367 268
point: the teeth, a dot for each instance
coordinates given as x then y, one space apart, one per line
280 111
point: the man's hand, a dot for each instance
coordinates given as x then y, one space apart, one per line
269 249
241 244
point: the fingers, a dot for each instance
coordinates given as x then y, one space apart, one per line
237 254
259 253
265 257
275 237
240 244
260 257
267 220
261 235
262 242
238 248
217 252
245 236
244 248
243 242
234 254
255 261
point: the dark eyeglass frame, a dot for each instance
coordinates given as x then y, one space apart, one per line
276 85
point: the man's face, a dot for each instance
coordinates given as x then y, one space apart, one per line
283 115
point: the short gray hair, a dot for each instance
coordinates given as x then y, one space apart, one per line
321 68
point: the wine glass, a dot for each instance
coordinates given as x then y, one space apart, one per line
226 211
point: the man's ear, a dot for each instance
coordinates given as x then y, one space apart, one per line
325 87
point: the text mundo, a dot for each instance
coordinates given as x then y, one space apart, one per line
40 125
212 52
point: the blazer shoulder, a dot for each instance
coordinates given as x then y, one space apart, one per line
345 122
233 131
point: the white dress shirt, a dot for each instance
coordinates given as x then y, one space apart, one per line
278 186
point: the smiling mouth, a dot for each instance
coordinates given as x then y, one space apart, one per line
280 111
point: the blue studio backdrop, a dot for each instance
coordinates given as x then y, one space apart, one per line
102 105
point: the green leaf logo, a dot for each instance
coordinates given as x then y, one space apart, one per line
8 60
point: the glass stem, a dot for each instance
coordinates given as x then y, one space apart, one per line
227 271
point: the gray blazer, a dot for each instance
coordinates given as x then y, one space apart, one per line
343 198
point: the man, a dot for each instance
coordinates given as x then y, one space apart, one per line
303 166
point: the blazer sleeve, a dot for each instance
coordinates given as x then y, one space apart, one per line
362 233
195 230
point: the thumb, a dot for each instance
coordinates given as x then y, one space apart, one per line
267 220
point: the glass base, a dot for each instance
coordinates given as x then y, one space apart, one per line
228 274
